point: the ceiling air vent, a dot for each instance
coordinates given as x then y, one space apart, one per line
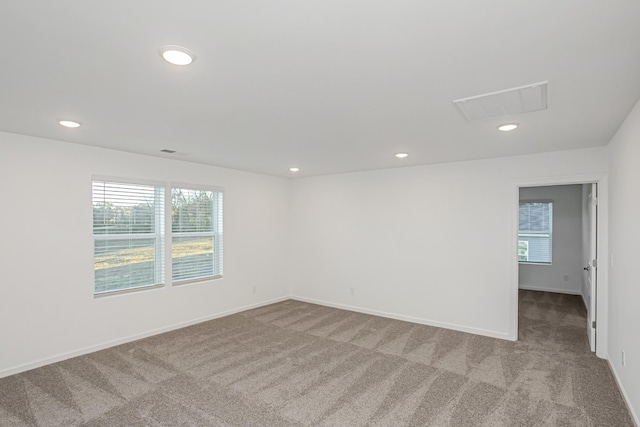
509 102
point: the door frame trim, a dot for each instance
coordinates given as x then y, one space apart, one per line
602 272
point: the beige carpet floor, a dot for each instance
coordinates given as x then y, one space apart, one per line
296 364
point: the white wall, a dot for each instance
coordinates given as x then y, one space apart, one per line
47 308
564 275
434 244
624 248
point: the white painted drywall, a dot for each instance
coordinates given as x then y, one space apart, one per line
47 308
564 275
624 248
434 243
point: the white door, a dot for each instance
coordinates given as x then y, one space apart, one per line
592 266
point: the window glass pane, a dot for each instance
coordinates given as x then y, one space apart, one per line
122 264
523 250
196 226
535 217
123 208
128 229
191 257
535 232
192 210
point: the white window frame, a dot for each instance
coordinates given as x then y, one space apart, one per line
216 233
159 235
163 234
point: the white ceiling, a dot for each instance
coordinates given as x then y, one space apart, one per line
327 85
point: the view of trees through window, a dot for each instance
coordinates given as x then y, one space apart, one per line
194 226
523 250
128 228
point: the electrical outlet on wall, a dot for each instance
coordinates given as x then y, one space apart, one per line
624 361
566 278
352 291
254 288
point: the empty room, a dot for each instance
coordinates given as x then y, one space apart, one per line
319 213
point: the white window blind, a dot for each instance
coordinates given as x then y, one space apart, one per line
535 232
196 234
128 232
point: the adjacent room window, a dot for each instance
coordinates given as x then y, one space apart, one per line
535 232
196 234
128 234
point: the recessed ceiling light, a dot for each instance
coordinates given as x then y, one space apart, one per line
401 155
294 169
69 123
507 127
177 55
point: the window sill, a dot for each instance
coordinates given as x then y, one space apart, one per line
534 263
197 280
127 290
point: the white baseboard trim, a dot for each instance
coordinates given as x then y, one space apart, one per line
554 290
419 320
64 356
634 416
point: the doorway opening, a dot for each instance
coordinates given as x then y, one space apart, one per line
560 235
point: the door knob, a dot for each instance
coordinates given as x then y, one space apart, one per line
587 268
